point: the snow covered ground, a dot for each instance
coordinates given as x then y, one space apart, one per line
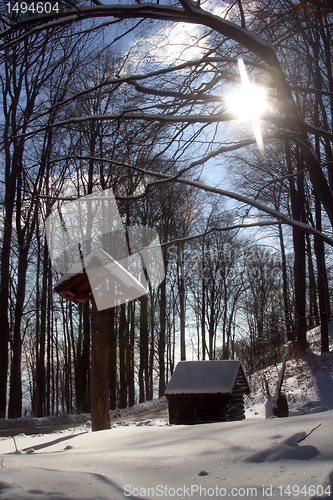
149 459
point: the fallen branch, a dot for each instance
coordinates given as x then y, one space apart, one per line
307 435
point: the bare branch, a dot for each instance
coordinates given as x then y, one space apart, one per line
309 90
319 132
162 71
161 118
226 228
308 434
222 192
192 14
165 93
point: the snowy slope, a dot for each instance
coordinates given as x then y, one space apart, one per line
149 459
308 380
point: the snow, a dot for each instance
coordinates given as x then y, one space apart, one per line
147 458
134 458
202 377
308 380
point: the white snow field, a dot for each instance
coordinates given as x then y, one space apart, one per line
149 459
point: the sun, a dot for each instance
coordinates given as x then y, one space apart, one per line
249 103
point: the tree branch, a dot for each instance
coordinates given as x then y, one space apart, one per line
309 90
222 192
319 132
308 434
225 228
131 78
192 15
159 117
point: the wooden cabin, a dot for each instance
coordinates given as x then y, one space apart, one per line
207 391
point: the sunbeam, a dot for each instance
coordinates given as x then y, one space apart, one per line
249 103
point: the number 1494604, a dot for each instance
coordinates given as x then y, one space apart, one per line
33 7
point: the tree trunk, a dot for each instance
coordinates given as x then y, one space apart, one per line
99 391
181 292
313 307
83 365
4 287
129 353
131 388
123 329
15 398
322 281
297 206
40 358
112 359
300 287
203 313
286 299
143 370
161 343
49 340
151 353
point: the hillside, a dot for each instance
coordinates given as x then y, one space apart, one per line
308 380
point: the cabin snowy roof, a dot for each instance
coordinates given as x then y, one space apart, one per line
206 377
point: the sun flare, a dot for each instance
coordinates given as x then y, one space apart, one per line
249 103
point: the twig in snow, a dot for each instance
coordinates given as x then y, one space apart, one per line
17 450
13 436
304 437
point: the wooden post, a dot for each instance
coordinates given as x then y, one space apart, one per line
99 391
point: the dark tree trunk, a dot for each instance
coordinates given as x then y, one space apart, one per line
77 375
99 389
10 177
129 353
211 331
68 365
15 398
112 359
40 358
297 207
161 343
286 298
49 341
322 281
123 331
151 355
131 389
181 292
313 307
83 365
4 330
300 287
143 370
203 318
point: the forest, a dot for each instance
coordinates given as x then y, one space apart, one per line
133 97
